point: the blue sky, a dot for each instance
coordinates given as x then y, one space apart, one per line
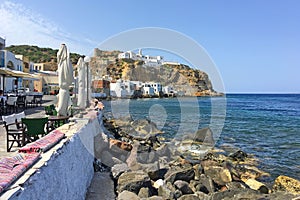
254 44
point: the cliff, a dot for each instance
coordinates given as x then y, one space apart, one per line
184 79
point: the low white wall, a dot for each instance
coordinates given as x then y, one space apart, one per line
69 170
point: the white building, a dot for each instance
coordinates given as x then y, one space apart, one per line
169 91
122 89
10 61
128 55
170 63
2 43
148 90
152 61
137 85
157 88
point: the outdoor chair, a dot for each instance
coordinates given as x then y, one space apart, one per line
18 117
11 104
34 128
21 102
15 132
38 100
2 106
29 101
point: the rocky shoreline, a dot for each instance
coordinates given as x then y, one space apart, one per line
144 166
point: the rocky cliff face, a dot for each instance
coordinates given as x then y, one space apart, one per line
182 78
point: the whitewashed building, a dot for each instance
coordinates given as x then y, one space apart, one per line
157 87
10 61
152 61
137 85
128 55
169 91
148 90
122 89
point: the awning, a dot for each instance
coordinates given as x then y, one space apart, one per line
18 74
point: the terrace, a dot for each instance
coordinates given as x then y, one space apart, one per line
68 164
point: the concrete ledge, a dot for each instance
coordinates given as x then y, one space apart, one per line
66 170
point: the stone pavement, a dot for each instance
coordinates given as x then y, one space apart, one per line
102 187
30 112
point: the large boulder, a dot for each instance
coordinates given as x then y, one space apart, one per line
185 174
198 171
239 156
100 144
202 195
124 120
165 192
189 197
163 150
219 175
109 160
235 185
133 181
132 161
127 195
118 169
154 171
145 126
256 185
183 186
236 195
204 184
288 184
248 171
144 192
205 136
117 145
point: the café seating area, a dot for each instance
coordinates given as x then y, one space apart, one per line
32 137
12 103
21 130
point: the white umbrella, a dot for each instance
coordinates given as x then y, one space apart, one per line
65 79
89 84
81 83
88 91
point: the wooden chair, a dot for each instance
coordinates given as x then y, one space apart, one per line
14 132
34 128
18 117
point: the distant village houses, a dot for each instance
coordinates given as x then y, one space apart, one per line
152 61
130 89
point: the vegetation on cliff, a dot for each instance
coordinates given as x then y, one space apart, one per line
40 55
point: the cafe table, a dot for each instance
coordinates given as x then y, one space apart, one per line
58 120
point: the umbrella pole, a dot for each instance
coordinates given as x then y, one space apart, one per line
3 84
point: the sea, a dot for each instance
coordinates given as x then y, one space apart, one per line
266 126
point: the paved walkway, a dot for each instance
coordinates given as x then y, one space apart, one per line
102 187
31 112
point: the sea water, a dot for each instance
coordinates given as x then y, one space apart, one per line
265 125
